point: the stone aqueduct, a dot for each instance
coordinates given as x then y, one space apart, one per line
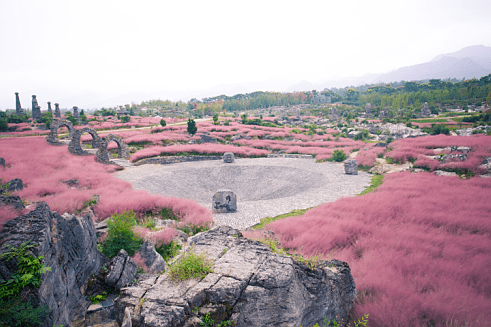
75 145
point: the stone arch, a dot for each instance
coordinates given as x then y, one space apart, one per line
123 151
52 137
75 146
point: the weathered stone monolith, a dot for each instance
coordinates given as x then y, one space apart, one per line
75 112
351 167
224 201
228 157
36 109
18 109
49 108
57 110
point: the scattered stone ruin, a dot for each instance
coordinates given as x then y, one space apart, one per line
228 157
123 152
351 167
18 110
224 201
52 137
57 110
75 146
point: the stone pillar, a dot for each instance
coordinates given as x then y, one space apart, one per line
224 201
18 109
426 111
75 113
36 109
368 110
49 108
57 110
351 167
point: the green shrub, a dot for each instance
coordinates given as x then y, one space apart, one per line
163 123
14 310
192 129
191 265
3 125
125 119
120 235
338 156
168 251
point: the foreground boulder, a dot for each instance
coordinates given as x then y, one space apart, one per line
68 245
250 286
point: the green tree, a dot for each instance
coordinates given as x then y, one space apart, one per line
192 129
125 119
215 119
163 123
3 125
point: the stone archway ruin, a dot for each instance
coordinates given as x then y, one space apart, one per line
123 151
52 137
75 146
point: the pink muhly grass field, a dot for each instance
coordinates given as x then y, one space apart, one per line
368 158
419 248
158 238
42 166
206 148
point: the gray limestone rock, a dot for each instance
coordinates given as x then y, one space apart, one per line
12 200
444 173
152 259
351 167
228 157
452 157
122 270
15 185
127 318
249 286
224 201
207 139
68 245
2 162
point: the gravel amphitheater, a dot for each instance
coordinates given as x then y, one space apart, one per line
265 187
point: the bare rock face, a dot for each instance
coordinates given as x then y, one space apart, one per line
122 270
153 260
15 185
68 245
250 286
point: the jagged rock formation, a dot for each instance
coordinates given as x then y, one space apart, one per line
12 200
250 286
15 185
68 244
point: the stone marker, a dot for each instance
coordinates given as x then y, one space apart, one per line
224 201
351 167
228 157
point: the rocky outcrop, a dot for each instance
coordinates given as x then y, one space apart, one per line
12 200
153 261
122 270
250 286
68 245
15 185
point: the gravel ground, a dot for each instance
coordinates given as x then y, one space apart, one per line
265 187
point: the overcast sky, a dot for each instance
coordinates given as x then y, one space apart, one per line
98 50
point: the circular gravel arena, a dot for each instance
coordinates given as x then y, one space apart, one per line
265 187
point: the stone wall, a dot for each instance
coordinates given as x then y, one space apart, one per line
175 159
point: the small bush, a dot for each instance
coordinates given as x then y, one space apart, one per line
191 265
338 156
163 123
121 235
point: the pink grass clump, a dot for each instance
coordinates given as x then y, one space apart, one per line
418 247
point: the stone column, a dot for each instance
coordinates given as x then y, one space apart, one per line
36 109
18 109
49 108
75 112
57 110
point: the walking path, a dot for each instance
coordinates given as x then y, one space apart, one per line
265 187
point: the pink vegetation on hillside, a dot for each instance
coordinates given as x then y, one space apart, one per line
42 167
419 248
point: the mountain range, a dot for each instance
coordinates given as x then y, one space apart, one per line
469 62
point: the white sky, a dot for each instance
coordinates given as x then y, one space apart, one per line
169 49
